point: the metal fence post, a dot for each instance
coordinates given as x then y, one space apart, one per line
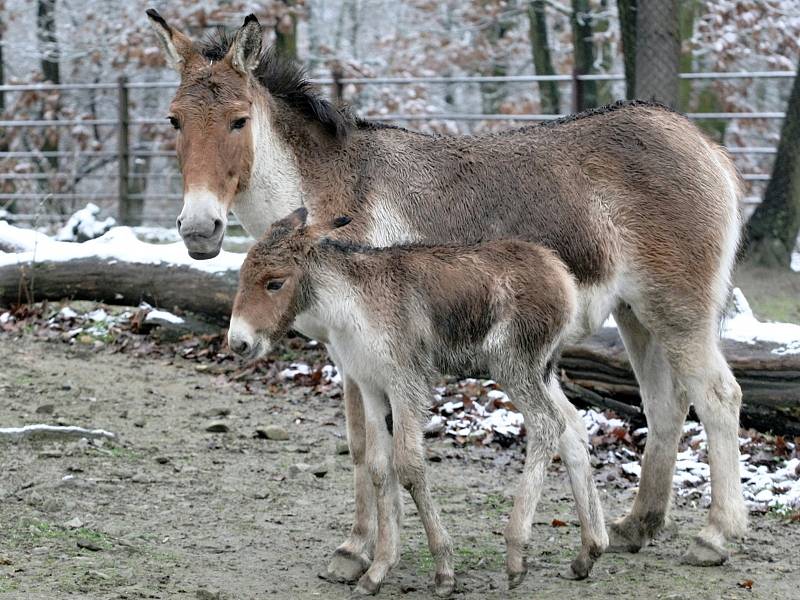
123 151
338 88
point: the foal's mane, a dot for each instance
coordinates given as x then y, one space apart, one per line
284 78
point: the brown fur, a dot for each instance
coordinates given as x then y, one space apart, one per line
402 315
637 202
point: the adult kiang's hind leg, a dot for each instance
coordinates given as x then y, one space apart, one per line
665 410
708 384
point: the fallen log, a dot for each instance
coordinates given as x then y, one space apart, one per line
596 371
116 282
770 382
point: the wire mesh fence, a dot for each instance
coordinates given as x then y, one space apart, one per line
50 167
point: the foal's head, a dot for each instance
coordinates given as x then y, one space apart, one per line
273 287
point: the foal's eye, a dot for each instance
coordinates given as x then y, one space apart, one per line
239 123
174 122
273 285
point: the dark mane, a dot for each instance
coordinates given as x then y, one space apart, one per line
349 247
601 110
287 80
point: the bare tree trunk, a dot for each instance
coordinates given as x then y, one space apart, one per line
542 61
658 51
48 47
494 94
601 26
772 230
2 68
286 31
581 19
627 25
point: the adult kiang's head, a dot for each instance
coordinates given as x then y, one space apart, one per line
212 113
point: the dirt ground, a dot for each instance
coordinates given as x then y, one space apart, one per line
170 510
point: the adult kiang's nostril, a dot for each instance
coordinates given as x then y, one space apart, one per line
218 225
239 346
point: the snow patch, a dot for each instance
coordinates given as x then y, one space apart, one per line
163 315
118 244
294 370
84 225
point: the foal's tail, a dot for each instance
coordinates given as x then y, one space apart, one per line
731 189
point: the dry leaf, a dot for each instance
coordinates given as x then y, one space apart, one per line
558 523
746 584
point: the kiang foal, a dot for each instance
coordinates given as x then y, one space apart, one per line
399 316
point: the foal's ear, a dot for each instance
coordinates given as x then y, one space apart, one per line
245 51
296 219
177 47
341 221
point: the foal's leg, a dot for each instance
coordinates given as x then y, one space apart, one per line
665 410
352 557
544 424
409 460
384 478
574 453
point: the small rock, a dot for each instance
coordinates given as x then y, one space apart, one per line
98 575
88 545
201 368
50 454
218 412
139 423
296 470
261 495
217 427
142 478
75 523
66 387
52 505
46 409
272 432
342 447
162 460
206 595
319 470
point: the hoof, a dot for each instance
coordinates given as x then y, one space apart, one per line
517 577
578 569
569 573
704 554
345 567
621 539
367 587
444 585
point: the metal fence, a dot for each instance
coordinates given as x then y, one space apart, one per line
39 195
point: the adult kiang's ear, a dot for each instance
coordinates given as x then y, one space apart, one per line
177 47
245 51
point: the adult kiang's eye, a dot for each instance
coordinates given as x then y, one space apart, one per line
239 123
174 122
273 285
